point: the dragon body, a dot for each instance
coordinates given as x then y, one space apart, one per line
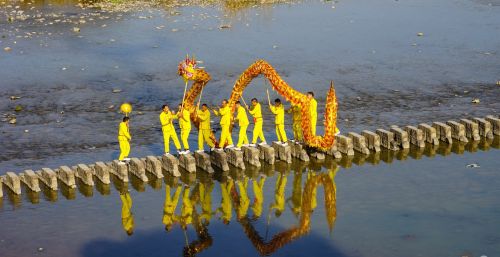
200 78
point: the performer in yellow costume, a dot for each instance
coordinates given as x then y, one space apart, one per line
124 139
279 195
204 131
258 191
225 204
169 206
313 111
127 216
206 201
256 112
297 120
185 125
244 200
167 127
225 123
243 123
279 111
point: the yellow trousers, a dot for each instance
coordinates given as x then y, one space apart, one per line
124 149
167 134
297 131
225 136
204 137
313 125
242 138
280 132
184 138
257 132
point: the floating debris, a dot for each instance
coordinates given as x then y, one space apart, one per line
116 90
13 97
76 30
475 101
18 108
13 121
473 165
420 34
226 26
175 30
7 49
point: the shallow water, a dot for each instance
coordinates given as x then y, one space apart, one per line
369 48
410 204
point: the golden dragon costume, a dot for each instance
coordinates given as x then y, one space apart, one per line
187 69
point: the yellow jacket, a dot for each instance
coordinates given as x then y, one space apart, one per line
204 117
296 113
314 108
184 119
123 133
166 121
256 112
280 114
242 117
225 114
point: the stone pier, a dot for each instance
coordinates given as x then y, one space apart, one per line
299 152
387 139
400 137
495 124
171 165
153 166
1 188
443 132
203 161
67 176
333 151
471 129
282 152
359 143
120 170
430 134
219 159
48 177
372 140
416 136
251 155
484 128
457 131
101 171
187 162
12 181
138 168
30 179
344 145
318 155
266 153
235 158
84 173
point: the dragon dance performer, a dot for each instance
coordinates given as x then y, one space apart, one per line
313 111
256 112
205 130
243 123
167 127
185 125
124 139
127 216
169 206
297 120
225 123
279 111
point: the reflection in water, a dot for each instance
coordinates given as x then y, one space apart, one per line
170 205
225 205
127 216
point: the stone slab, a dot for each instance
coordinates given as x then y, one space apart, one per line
344 145
387 139
235 158
457 131
85 174
138 168
30 179
187 162
443 132
495 124
101 171
471 129
372 140
430 134
484 128
203 161
266 153
153 166
415 136
333 151
120 170
282 152
171 164
299 152
48 177
400 137
219 159
251 155
67 176
359 143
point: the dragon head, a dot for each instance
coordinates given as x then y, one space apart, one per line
187 68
